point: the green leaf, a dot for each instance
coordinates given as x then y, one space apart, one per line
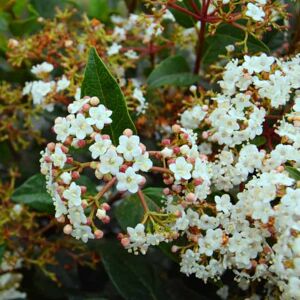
294 173
2 250
228 35
98 9
258 141
130 211
133 276
99 82
182 18
172 71
34 194
155 194
47 8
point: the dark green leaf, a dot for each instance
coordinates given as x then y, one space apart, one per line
130 211
34 194
182 18
258 141
99 82
228 35
98 9
47 8
155 194
172 71
2 250
133 277
294 173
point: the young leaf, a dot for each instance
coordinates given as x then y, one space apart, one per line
34 194
99 82
172 71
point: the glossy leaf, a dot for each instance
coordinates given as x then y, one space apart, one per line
99 82
130 211
172 71
228 35
34 194
132 276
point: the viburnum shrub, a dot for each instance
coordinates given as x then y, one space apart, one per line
176 127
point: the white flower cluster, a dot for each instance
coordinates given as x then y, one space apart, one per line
39 89
238 209
121 164
10 280
249 89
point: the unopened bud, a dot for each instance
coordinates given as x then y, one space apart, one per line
68 229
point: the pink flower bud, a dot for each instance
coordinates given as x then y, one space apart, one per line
166 191
105 137
64 149
174 249
105 206
48 159
68 229
191 197
128 132
191 160
84 204
83 189
176 188
70 160
106 219
198 181
61 219
86 107
98 234
165 142
176 150
51 147
123 168
178 213
125 242
81 143
203 157
75 175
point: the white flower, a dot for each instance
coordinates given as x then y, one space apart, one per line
61 128
223 203
62 84
66 177
83 232
131 54
40 90
255 12
99 116
137 234
142 162
60 207
59 158
201 170
113 49
42 68
100 146
129 181
110 162
27 88
129 147
192 118
181 169
76 215
77 105
73 195
79 127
